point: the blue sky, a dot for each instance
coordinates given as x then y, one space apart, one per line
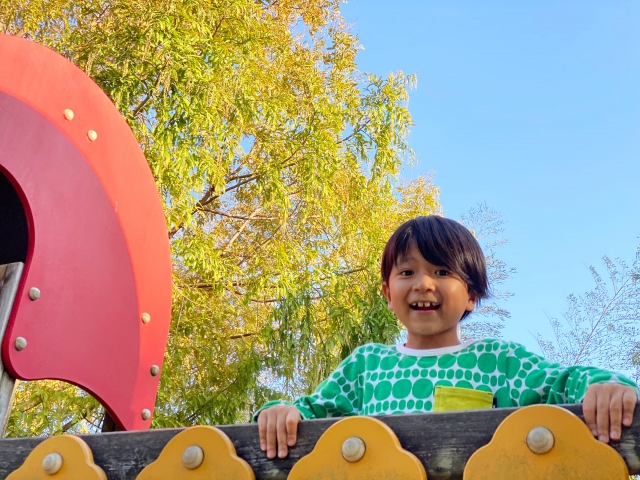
533 108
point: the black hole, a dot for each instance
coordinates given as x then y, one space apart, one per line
14 232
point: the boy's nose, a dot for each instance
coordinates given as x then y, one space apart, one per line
424 283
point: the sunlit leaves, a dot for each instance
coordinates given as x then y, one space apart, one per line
277 164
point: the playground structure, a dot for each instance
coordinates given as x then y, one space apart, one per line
85 297
93 303
478 444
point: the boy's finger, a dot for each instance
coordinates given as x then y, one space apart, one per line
262 431
293 417
629 399
589 412
271 436
282 435
615 414
602 414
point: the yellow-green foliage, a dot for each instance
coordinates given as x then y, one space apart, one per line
277 162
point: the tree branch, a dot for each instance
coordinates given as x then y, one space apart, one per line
249 178
237 234
238 177
141 105
349 272
32 405
208 197
595 326
355 132
242 335
222 214
205 404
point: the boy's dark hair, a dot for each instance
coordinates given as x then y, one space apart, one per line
442 242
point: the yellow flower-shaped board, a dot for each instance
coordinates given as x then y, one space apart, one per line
571 451
198 453
64 457
382 456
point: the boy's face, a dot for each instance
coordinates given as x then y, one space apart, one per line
429 301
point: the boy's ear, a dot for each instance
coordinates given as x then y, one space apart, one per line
386 292
473 299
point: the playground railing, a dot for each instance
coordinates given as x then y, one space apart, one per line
478 444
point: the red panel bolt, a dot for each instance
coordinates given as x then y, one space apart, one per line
20 343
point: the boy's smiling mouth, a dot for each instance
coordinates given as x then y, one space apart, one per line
424 306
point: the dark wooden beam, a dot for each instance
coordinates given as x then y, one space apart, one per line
442 441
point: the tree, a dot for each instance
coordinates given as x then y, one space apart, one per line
602 326
487 225
277 162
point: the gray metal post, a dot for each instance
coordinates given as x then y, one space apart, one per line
9 279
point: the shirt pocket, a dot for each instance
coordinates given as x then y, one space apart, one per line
447 399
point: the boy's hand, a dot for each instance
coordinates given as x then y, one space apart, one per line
278 424
608 406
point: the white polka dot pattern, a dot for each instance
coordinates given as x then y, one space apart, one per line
378 380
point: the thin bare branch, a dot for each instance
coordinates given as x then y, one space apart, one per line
237 217
242 227
145 100
594 327
242 335
355 132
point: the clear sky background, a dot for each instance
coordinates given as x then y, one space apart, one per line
533 108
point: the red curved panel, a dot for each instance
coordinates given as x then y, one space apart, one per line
98 246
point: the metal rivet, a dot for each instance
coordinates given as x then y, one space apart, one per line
192 457
353 449
146 414
52 463
20 343
540 440
68 114
34 293
145 317
155 370
92 135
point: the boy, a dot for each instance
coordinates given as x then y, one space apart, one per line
433 275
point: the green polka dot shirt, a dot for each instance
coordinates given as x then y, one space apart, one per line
390 379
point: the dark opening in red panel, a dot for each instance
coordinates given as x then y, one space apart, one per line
14 233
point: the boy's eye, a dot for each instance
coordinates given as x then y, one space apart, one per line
406 273
442 272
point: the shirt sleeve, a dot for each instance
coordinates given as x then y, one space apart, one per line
339 395
531 379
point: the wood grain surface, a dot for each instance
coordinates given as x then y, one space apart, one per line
442 441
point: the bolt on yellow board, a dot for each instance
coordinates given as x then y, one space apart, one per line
65 456
544 441
358 448
198 453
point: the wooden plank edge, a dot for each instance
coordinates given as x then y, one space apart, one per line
442 441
